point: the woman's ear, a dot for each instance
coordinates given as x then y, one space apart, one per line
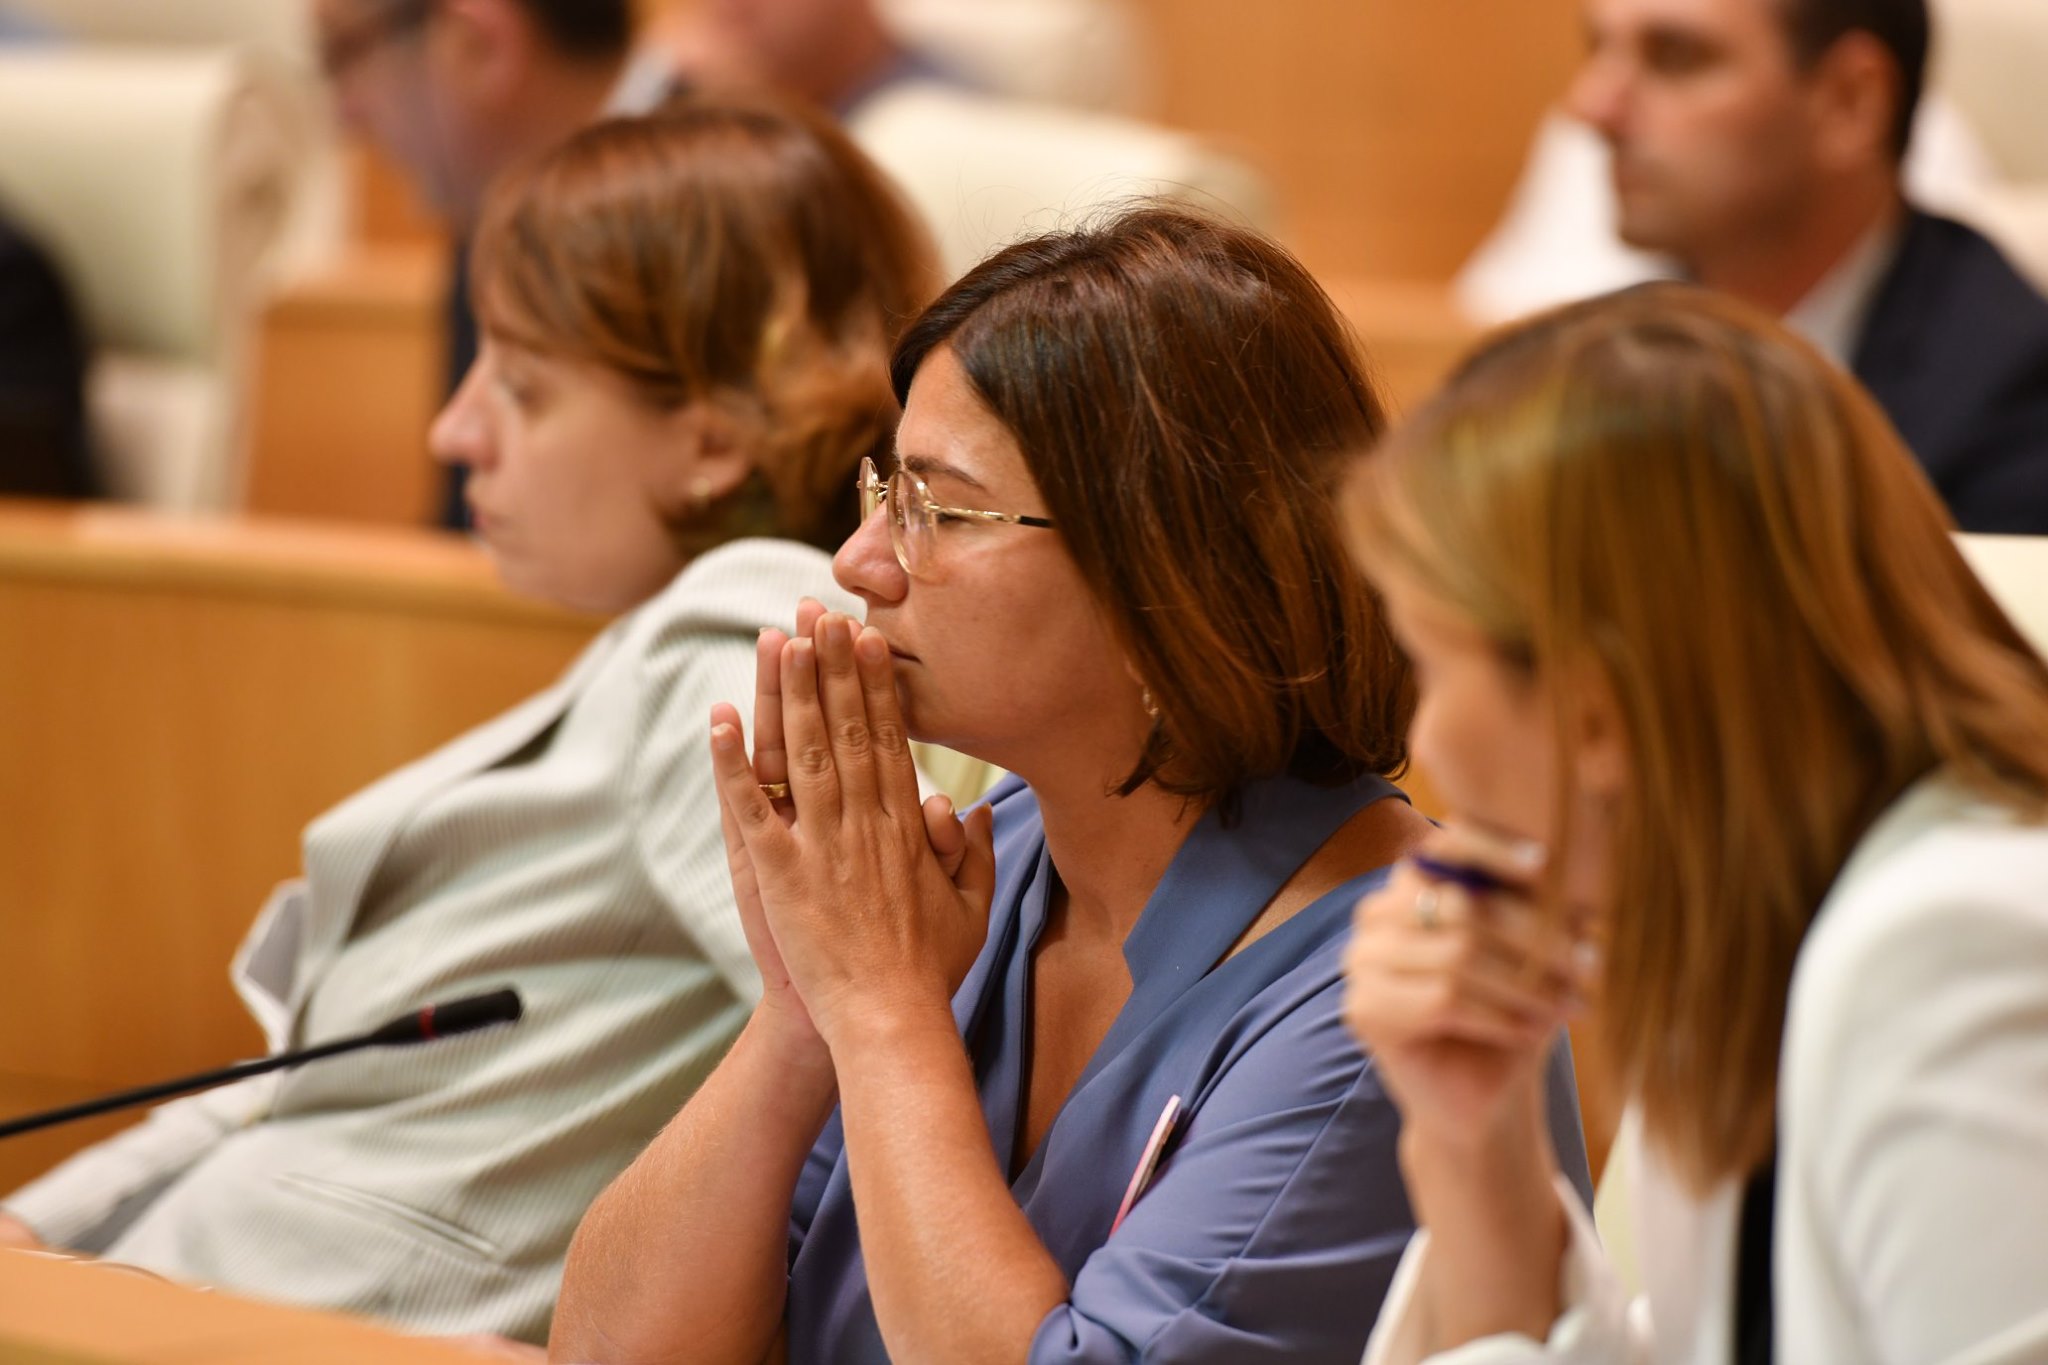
1598 740
706 456
1856 89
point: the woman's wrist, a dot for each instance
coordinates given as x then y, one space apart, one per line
888 1024
786 1039
1509 1158
1498 1233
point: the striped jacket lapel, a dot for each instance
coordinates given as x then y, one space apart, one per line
375 816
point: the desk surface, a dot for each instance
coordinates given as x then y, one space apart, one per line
56 1312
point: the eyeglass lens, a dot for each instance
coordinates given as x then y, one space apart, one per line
908 502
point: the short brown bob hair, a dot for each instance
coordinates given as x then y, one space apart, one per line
1185 396
727 248
1670 489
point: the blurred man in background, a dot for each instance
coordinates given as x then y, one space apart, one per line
1759 143
454 91
834 53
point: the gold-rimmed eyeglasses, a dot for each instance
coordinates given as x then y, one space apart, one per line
914 515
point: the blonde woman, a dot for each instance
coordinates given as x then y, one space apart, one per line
1709 687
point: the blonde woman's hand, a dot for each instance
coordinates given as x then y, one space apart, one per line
874 903
1459 993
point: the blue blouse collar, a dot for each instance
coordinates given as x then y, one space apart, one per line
1218 883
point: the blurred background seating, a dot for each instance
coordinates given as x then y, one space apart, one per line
1092 54
171 187
986 169
1989 64
2015 568
267 294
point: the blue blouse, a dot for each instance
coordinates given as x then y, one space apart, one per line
1273 1225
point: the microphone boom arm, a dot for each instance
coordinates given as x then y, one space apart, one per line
435 1021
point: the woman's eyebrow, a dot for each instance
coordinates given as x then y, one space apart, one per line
926 467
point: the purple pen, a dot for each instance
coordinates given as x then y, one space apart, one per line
1457 874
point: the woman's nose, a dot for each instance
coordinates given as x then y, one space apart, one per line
866 564
461 431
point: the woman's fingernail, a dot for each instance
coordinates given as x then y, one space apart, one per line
724 737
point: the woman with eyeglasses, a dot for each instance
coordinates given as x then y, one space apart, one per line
1067 1082
1708 685
687 322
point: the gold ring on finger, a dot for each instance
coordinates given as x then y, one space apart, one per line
1426 907
775 791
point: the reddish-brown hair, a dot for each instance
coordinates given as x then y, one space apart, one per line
1185 396
741 251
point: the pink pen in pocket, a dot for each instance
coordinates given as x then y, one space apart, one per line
1148 1164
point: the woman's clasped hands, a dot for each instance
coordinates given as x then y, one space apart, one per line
862 905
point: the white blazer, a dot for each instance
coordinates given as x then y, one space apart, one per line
570 848
1912 1197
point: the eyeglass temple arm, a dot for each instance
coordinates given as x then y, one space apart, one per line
1015 518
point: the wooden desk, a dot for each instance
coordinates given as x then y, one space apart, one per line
349 374
177 700
69 1313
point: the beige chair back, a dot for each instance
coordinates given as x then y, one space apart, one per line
2015 568
1093 54
986 170
163 181
1989 57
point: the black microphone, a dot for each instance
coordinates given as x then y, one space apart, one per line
421 1026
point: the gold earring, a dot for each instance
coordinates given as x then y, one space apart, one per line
700 494
1145 700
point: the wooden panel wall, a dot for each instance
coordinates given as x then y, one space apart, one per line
175 704
349 377
1392 129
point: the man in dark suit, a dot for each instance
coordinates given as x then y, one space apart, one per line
42 378
1759 143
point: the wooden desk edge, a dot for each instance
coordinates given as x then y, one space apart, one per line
397 568
63 1312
